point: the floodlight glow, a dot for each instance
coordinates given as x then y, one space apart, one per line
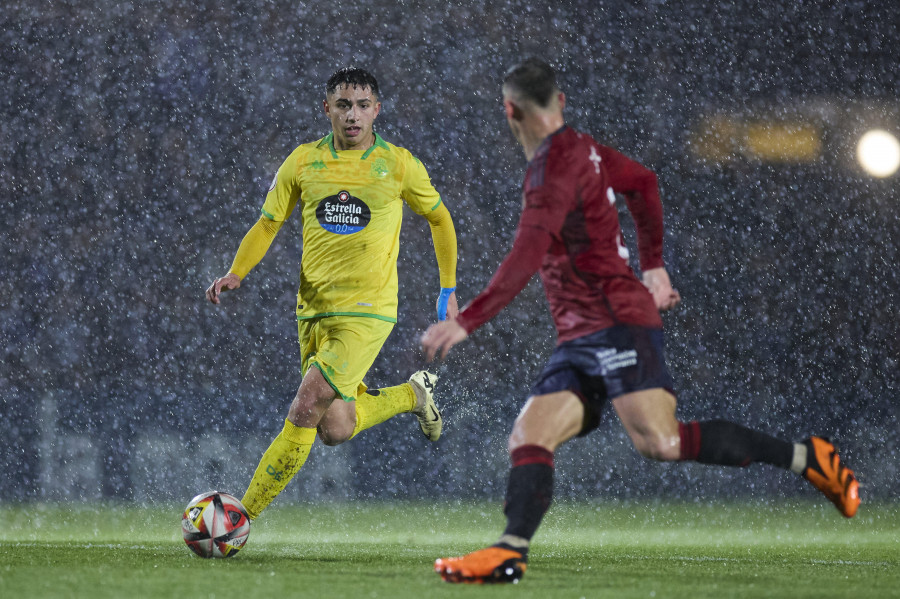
878 152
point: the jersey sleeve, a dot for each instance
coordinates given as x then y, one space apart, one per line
284 191
546 204
641 190
417 190
542 219
254 246
545 209
443 234
523 260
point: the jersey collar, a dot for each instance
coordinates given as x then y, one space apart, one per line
547 141
329 141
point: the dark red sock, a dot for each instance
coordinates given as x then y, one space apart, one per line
530 490
690 439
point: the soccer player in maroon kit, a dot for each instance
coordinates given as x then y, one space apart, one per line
610 337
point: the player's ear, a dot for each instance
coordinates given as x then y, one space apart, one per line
513 112
562 100
326 107
377 109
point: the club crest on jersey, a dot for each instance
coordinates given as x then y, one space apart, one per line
380 169
343 214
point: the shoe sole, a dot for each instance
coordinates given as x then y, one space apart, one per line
509 572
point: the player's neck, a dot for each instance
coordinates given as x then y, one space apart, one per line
363 144
536 128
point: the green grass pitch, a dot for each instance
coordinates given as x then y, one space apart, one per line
360 550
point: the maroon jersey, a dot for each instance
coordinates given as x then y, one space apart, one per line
569 230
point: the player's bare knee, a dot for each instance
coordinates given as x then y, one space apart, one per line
329 440
520 436
332 437
517 441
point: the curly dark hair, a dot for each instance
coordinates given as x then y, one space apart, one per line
352 76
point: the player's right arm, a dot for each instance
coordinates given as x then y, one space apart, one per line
524 259
284 192
252 249
541 219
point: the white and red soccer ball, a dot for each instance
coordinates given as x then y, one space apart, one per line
215 524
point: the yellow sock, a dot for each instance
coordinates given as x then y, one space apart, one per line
281 461
377 405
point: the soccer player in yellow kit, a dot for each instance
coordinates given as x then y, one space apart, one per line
350 187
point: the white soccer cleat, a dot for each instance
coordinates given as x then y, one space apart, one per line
426 410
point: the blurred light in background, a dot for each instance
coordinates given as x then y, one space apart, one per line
783 142
878 152
834 133
733 138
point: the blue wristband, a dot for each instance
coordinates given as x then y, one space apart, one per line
443 298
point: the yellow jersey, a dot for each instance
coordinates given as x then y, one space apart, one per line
351 207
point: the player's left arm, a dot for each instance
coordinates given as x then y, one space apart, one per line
640 187
424 199
443 234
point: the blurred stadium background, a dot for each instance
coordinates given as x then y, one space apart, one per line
138 138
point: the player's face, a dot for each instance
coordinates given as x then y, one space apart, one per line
352 110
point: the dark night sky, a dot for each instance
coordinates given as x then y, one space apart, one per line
138 140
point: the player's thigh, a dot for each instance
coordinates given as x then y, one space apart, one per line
343 348
548 420
649 418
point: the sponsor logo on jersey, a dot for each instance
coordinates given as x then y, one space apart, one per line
318 165
343 214
274 181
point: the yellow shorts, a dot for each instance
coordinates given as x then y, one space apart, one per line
343 348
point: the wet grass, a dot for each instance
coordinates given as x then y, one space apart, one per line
639 549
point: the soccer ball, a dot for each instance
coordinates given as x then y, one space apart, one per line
215 524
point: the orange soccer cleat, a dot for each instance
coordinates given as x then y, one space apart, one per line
494 564
836 481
